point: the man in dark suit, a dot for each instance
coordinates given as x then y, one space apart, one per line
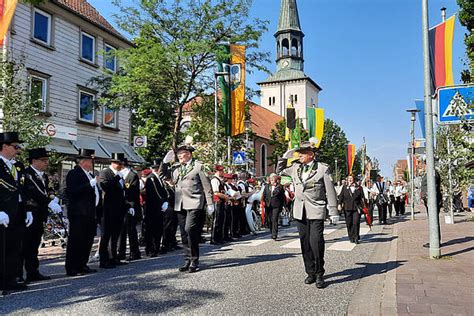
129 228
38 198
156 206
12 214
274 197
115 207
350 200
83 200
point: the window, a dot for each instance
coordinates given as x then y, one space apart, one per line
110 61
270 101
263 159
42 26
109 117
294 47
39 91
86 107
296 98
273 100
285 47
88 47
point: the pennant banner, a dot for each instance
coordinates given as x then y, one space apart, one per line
420 105
350 157
237 87
441 53
315 123
224 66
7 10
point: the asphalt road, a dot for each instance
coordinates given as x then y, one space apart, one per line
254 275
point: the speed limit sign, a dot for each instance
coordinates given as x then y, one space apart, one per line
139 141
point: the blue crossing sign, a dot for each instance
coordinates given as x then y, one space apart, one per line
238 158
455 104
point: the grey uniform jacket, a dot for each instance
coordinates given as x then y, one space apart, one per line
192 188
313 195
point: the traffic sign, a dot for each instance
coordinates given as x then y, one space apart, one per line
455 104
239 158
139 141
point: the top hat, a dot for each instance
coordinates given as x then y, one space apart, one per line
9 137
86 153
185 147
37 153
156 163
118 157
218 168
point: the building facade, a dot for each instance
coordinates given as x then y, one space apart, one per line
65 43
289 85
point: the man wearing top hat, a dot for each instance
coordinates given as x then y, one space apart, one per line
115 206
314 192
38 199
192 194
83 202
12 214
220 199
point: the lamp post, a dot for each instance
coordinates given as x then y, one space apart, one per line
216 76
412 160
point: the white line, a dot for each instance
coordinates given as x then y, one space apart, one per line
345 244
295 244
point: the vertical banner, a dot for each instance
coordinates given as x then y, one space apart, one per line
441 53
224 66
237 88
350 155
7 10
315 123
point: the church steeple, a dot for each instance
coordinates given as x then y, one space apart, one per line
289 38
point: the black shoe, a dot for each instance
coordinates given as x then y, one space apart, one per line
106 266
163 251
86 269
185 266
216 243
229 239
194 267
20 280
320 282
120 263
427 245
37 277
121 257
310 279
274 238
176 247
356 242
154 255
134 257
74 273
14 286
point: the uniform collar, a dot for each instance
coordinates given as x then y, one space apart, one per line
39 173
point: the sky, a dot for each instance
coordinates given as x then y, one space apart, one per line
367 56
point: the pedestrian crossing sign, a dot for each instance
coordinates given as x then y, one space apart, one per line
456 104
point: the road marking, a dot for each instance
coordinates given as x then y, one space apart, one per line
345 244
295 244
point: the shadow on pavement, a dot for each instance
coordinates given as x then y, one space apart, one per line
365 270
228 263
458 241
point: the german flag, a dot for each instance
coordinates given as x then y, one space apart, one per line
7 10
441 53
350 157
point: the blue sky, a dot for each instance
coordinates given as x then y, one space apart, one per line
367 57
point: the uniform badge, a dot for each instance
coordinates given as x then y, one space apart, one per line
127 185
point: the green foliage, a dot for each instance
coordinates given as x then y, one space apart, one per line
20 109
277 138
176 44
466 17
334 146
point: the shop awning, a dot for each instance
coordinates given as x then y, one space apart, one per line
129 151
115 147
90 143
61 146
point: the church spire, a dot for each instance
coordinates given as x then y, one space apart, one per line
289 18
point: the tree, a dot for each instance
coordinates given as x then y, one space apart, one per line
334 146
466 17
21 109
176 46
278 139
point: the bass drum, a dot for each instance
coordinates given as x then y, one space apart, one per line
253 219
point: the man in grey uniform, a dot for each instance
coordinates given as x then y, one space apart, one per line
192 193
314 192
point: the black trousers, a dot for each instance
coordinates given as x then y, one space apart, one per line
10 252
227 221
402 206
112 226
31 243
235 225
353 224
79 244
129 229
192 221
274 215
391 205
382 208
243 225
218 223
154 231
170 227
312 244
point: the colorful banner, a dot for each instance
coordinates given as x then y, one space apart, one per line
350 156
315 123
7 10
441 53
420 105
237 87
223 66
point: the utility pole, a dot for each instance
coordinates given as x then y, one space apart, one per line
412 161
430 166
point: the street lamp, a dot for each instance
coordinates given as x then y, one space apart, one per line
216 76
412 160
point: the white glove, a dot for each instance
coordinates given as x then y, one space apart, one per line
339 207
210 209
93 182
169 158
4 219
131 211
164 207
29 219
289 153
56 208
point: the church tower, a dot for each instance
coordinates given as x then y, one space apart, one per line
289 84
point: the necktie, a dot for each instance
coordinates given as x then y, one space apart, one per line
306 168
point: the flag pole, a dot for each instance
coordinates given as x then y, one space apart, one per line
430 167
